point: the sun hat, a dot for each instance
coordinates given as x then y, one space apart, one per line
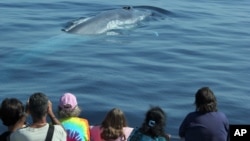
68 101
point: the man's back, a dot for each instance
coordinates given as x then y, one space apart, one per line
38 134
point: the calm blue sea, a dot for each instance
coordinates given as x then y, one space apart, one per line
162 63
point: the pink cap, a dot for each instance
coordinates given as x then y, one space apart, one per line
68 101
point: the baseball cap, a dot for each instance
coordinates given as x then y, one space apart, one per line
68 101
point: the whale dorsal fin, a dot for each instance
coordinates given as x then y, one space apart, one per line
127 7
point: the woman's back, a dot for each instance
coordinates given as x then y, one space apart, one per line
95 133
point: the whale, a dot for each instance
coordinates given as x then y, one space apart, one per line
115 19
102 23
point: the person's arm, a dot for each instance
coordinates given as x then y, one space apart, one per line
20 123
52 116
183 127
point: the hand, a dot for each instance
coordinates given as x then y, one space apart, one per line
52 115
50 109
27 107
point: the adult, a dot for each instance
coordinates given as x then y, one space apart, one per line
205 123
113 128
153 127
68 110
39 107
11 113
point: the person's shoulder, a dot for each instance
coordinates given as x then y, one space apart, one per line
221 115
79 119
95 128
95 132
21 130
130 129
217 114
59 128
135 135
18 133
59 132
83 119
193 114
127 130
75 120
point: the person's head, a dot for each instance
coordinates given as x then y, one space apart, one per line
205 100
113 124
11 111
38 105
68 106
154 122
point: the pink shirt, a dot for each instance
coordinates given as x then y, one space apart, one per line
95 133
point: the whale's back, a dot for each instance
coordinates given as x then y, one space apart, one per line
110 20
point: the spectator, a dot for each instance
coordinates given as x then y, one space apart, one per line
77 128
11 113
113 128
153 127
206 123
39 107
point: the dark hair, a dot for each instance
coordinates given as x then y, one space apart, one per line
112 125
11 111
38 105
205 100
154 123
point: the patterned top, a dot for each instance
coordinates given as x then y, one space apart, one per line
136 135
77 129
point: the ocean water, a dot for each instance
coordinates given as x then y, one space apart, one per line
159 63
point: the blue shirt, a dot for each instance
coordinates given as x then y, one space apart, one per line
211 126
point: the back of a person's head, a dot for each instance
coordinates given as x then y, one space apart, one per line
115 118
11 110
113 124
38 105
154 123
68 106
205 100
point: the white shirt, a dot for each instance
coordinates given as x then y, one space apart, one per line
38 134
